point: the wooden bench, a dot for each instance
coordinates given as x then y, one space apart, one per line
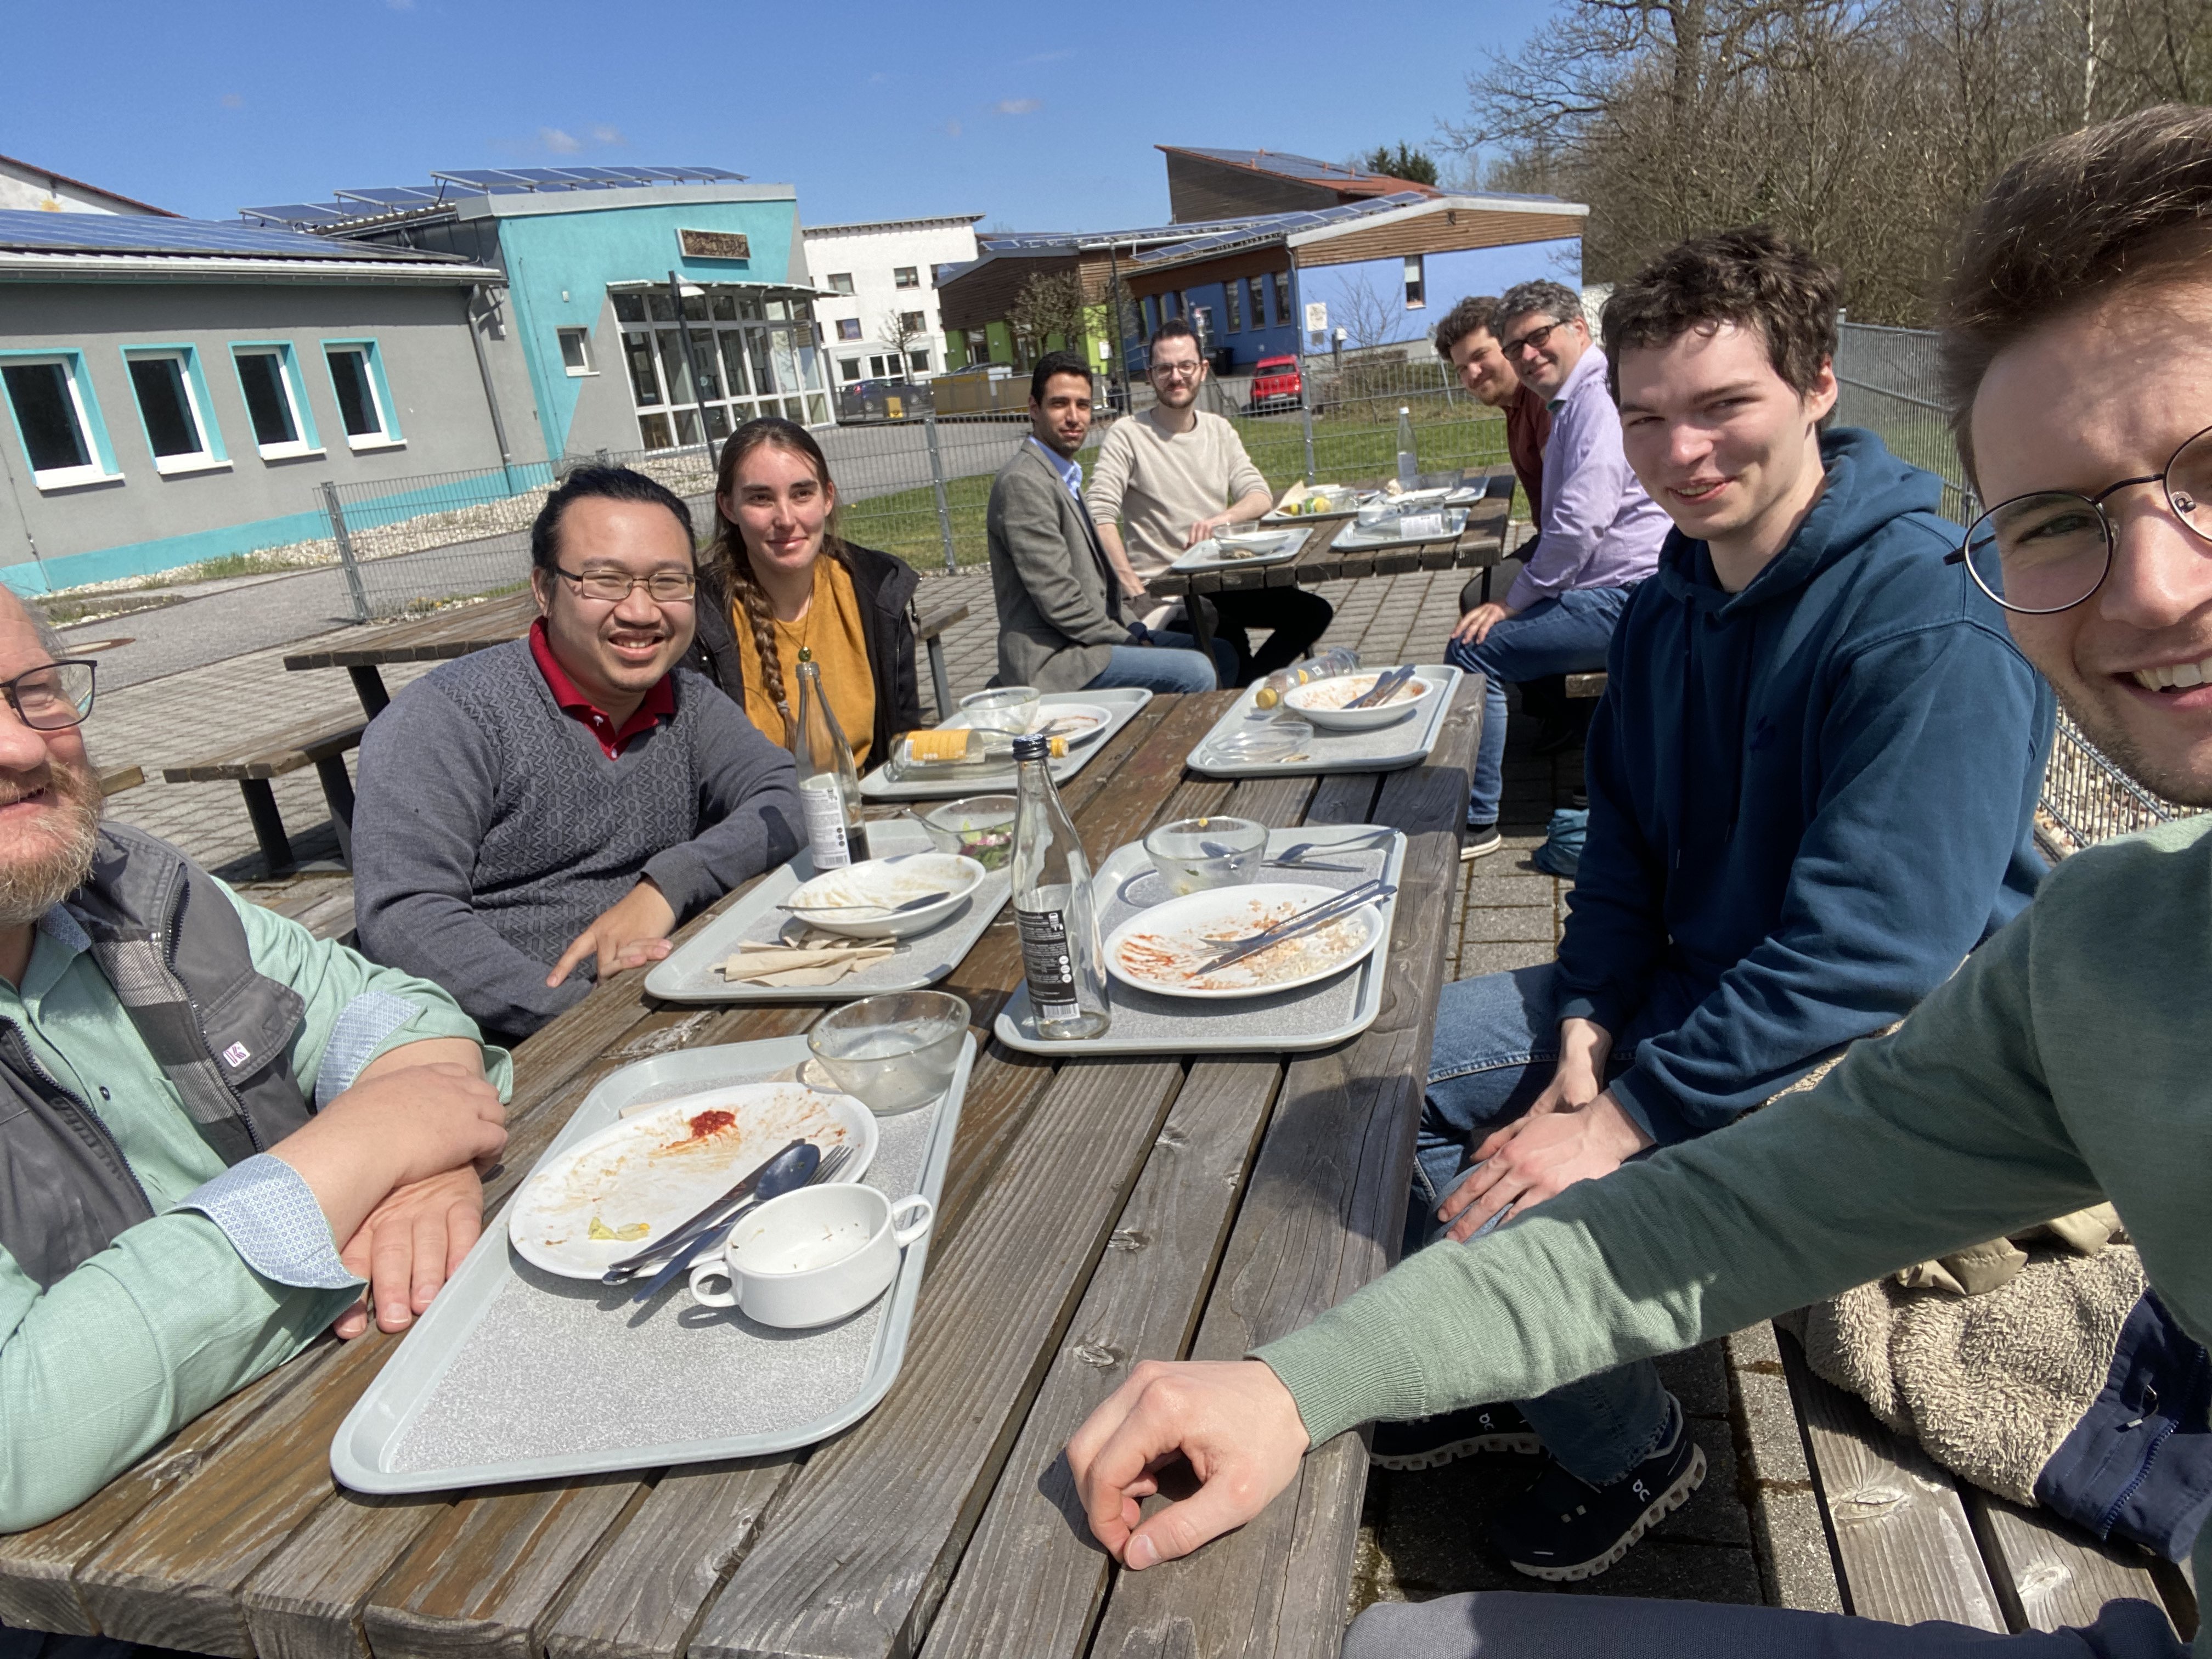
1586 685
930 630
1909 1540
114 780
320 743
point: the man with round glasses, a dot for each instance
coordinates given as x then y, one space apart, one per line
215 1130
2063 1065
546 812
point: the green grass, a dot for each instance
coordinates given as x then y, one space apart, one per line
1344 451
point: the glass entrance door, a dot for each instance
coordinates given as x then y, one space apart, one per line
752 356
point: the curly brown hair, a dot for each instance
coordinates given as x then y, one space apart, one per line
2124 204
733 560
1756 278
1478 311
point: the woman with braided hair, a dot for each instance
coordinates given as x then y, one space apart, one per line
777 578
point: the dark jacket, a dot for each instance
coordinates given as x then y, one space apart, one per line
885 585
162 932
1809 801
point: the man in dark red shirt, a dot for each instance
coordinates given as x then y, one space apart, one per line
1468 340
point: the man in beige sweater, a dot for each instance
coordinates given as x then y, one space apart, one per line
1159 488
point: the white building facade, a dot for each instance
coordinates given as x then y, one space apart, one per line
27 187
878 304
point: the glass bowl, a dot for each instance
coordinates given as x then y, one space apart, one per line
1195 855
892 1053
980 827
1262 741
1009 708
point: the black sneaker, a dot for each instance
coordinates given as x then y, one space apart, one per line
1430 1443
1482 840
1563 1528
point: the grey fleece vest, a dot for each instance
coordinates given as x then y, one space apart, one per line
173 948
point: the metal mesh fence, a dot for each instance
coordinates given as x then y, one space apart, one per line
1886 378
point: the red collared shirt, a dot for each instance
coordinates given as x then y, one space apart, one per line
659 703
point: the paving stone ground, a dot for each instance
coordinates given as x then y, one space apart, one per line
1752 1534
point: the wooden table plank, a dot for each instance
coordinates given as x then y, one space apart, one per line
1907 1549
1030 1583
838 1570
1322 1218
2049 1575
448 634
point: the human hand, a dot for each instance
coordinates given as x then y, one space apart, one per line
398 1125
628 933
1206 528
1233 1421
409 1246
1474 626
1539 1155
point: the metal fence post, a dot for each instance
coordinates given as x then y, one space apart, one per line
937 483
354 588
1305 416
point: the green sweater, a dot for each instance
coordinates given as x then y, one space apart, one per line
2069 1062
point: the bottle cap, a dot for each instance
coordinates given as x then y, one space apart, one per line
1032 746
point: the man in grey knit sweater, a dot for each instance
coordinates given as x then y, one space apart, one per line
572 797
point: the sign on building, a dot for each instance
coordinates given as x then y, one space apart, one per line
714 245
1316 316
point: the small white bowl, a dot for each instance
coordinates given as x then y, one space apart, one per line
1322 702
880 884
813 1257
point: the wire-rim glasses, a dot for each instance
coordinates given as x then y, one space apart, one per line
2048 551
613 586
53 696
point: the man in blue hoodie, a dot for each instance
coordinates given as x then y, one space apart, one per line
1812 780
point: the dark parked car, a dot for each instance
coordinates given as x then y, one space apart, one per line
1275 385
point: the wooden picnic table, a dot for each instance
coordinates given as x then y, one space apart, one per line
1480 545
460 632
1096 1213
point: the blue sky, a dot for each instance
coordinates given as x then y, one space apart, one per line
1039 117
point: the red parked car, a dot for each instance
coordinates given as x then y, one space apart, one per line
1275 385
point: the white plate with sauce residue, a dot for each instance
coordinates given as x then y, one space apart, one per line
1160 949
650 1173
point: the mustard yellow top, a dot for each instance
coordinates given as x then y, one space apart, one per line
831 629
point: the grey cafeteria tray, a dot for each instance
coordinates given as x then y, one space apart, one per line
1310 1017
1385 749
1196 560
691 973
998 780
519 1375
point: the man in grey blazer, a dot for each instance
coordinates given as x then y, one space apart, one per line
1061 622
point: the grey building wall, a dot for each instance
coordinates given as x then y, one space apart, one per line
423 342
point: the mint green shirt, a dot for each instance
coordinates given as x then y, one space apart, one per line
2068 1062
170 1318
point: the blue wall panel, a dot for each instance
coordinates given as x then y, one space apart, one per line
1447 279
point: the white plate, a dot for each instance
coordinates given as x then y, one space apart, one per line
1189 930
1078 722
663 1166
885 883
1322 702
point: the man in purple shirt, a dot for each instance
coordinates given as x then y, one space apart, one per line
1600 535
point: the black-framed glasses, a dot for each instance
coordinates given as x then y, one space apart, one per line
2048 551
614 586
1177 371
1532 341
54 697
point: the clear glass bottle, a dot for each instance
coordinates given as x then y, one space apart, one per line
1409 466
828 781
1062 956
1338 660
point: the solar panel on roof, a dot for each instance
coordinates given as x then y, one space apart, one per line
392 196
301 213
115 234
482 178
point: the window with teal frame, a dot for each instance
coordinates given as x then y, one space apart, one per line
57 418
276 402
364 400
173 409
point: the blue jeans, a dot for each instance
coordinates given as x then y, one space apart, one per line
1177 667
1497 1046
1566 636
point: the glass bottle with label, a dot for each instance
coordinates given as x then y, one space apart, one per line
829 782
1409 466
1061 956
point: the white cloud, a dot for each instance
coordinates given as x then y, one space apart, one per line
604 134
559 143
231 101
952 129
1016 106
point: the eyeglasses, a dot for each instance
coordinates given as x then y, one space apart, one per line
1176 371
2047 552
613 586
1532 341
52 698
